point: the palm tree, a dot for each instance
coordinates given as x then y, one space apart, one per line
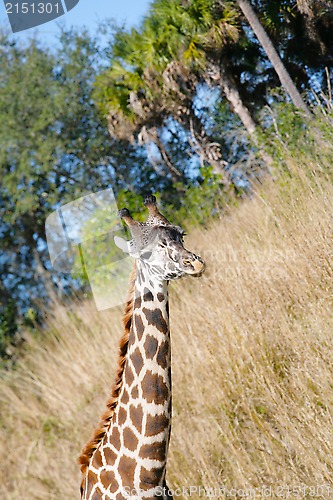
133 110
144 86
197 32
179 90
272 55
178 45
154 75
171 84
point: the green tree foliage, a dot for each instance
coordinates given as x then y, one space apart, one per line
55 147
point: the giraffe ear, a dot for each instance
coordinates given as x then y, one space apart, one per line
122 244
126 246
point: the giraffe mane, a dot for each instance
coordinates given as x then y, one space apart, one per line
111 404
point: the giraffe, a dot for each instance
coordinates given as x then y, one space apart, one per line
126 457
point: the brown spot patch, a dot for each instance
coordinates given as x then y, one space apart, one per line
107 478
155 318
156 424
136 416
114 439
131 341
91 481
150 346
154 388
162 355
130 439
139 327
97 495
150 478
160 296
125 397
137 303
114 486
121 416
154 451
126 470
129 377
137 360
110 456
135 392
147 295
97 460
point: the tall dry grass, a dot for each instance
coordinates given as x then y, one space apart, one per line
252 363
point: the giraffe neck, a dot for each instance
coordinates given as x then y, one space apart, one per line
148 378
131 458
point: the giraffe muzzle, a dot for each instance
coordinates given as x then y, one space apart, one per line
194 266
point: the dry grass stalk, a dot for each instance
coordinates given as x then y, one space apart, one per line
252 364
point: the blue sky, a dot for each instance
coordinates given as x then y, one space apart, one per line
87 13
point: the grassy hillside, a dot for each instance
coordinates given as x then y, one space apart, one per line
252 363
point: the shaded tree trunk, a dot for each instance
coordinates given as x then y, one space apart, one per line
272 55
179 89
151 134
222 77
208 150
228 85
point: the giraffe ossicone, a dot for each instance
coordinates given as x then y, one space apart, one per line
126 457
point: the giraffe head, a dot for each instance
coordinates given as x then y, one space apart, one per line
158 245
